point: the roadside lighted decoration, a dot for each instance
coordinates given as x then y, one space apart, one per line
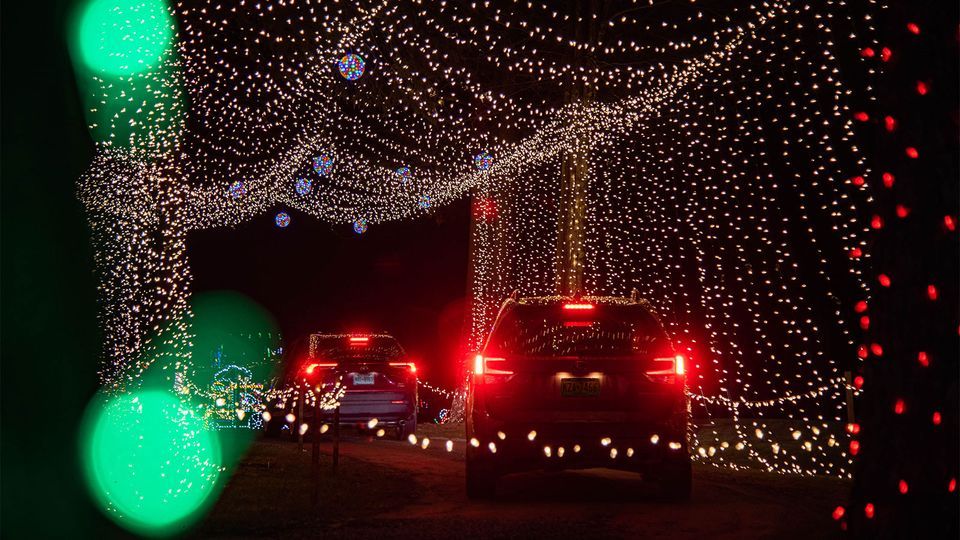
351 66
674 150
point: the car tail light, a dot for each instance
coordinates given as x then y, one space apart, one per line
490 369
359 341
577 323
578 307
310 369
411 365
668 369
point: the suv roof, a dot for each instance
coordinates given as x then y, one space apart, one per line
376 347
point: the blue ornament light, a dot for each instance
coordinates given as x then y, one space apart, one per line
304 186
237 189
483 160
425 201
282 220
360 226
404 174
351 66
323 164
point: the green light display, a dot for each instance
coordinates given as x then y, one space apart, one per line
149 461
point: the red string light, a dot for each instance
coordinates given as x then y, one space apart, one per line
932 292
912 152
885 54
937 418
869 510
888 180
913 28
884 280
876 222
922 88
861 116
838 512
868 52
950 223
904 487
899 406
923 358
902 211
860 307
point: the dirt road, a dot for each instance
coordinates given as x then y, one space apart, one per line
391 489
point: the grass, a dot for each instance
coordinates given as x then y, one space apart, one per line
271 489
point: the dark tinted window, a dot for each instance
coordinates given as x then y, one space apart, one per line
338 348
540 332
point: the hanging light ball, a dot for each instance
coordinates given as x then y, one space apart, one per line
424 202
360 226
483 160
237 189
282 220
351 66
322 164
303 186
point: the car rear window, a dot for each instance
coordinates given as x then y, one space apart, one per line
546 334
337 348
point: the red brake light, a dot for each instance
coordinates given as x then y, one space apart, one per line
668 368
359 340
577 323
311 368
411 365
578 306
488 366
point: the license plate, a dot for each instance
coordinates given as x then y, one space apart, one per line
363 378
580 387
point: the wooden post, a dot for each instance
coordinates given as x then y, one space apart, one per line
336 438
316 432
315 498
300 399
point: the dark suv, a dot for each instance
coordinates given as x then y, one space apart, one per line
380 381
572 383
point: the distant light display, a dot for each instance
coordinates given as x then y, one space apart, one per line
351 66
323 164
483 161
282 220
304 186
360 226
424 201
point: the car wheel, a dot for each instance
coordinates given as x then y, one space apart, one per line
409 428
675 480
481 479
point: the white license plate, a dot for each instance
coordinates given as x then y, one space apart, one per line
363 378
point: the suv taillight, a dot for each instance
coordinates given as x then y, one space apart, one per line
490 369
668 369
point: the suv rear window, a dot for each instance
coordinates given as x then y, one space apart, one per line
546 334
338 348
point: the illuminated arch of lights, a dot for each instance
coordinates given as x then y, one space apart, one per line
722 172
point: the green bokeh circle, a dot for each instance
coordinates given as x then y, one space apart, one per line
125 37
149 461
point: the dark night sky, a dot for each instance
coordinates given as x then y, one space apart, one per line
406 278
